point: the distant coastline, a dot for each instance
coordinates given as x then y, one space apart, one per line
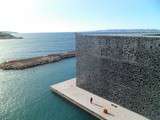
36 61
7 35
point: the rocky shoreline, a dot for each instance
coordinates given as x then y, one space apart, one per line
36 61
5 35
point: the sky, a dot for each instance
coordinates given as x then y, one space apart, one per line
78 15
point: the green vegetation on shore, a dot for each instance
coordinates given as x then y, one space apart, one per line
5 35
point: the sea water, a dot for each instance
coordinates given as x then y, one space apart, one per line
25 94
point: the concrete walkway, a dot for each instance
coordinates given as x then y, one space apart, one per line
81 98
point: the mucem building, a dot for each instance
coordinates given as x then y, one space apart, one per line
122 68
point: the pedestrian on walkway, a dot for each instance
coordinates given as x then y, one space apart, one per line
91 100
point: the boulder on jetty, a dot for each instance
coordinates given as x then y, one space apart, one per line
36 61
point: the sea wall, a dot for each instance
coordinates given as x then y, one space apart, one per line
36 61
122 69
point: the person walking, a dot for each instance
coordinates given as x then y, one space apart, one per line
91 100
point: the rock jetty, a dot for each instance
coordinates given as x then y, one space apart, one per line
36 61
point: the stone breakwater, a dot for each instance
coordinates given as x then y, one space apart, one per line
36 61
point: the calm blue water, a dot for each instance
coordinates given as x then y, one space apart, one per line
25 95
36 45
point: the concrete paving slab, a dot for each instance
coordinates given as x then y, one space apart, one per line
81 98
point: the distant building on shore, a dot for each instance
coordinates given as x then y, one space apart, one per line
123 68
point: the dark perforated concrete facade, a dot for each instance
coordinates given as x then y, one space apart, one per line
124 69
